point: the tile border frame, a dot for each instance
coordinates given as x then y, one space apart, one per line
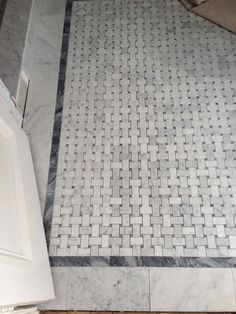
142 261
100 261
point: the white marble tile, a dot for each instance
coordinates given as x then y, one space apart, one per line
60 282
43 85
12 39
44 33
185 289
108 289
28 56
234 280
43 70
39 130
39 119
50 28
50 7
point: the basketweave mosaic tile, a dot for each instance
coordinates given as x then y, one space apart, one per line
143 164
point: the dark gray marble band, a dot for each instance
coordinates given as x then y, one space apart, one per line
147 261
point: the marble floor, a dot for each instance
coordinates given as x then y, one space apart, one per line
159 235
146 162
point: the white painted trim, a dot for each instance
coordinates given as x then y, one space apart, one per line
25 310
8 103
25 278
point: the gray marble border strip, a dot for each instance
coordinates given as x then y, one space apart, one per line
142 261
96 261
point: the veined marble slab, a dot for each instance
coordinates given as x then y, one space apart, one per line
60 276
46 27
193 290
12 41
103 289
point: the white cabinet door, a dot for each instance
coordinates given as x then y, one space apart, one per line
25 275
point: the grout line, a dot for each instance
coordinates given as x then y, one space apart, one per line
149 281
67 290
233 285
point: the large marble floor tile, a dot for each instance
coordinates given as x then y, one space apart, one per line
49 30
43 85
39 118
12 39
191 290
106 289
234 280
40 108
39 130
60 281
